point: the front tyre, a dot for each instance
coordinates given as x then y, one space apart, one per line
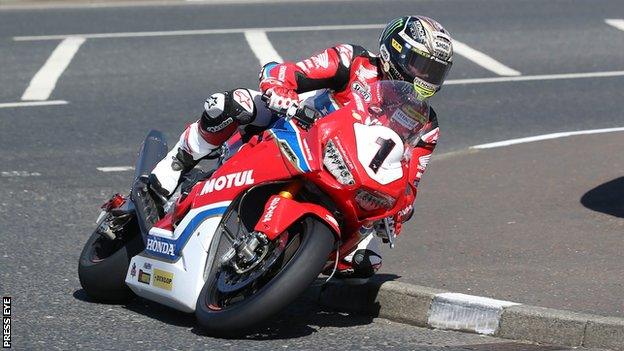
231 316
103 265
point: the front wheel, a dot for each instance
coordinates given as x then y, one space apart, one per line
224 310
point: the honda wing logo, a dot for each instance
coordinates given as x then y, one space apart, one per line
321 60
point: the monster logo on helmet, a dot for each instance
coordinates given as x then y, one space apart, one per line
416 49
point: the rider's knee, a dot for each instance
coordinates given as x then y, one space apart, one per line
222 110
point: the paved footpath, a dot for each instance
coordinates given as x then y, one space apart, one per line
539 223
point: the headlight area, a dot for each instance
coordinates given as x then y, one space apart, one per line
335 164
371 201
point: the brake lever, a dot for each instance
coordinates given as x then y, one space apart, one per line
304 115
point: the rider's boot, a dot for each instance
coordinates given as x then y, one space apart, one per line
223 114
362 262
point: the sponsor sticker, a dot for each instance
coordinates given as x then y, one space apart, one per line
221 126
288 152
362 90
147 265
384 53
417 31
271 209
227 181
160 246
133 270
413 113
163 279
243 98
424 89
404 119
307 150
395 44
144 277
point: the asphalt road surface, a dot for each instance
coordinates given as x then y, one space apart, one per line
540 223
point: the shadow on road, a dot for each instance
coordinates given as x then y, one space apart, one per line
606 198
303 317
149 309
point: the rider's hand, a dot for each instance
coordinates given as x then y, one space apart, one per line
281 98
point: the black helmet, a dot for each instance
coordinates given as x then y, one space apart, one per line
416 49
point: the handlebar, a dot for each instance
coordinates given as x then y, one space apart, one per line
304 115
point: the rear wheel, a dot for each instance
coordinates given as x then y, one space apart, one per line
104 263
232 302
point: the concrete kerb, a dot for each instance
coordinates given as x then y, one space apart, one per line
427 307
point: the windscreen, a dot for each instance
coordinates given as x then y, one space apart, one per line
394 104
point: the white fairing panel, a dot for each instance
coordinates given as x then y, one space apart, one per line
176 283
366 138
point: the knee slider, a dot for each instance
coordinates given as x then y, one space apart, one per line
221 109
241 106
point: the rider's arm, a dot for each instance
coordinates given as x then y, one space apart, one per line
328 69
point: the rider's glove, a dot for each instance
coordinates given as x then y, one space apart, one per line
281 98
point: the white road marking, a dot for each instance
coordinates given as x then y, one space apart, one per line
546 137
535 77
262 47
19 174
617 23
115 169
32 103
483 60
44 81
200 32
147 3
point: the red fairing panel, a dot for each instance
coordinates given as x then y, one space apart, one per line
253 164
280 213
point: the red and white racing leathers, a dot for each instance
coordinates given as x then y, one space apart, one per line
336 76
340 75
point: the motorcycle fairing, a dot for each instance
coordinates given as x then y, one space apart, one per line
281 212
183 269
167 246
288 137
182 253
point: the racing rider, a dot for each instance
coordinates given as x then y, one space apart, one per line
416 49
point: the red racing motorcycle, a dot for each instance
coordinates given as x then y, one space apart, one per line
239 244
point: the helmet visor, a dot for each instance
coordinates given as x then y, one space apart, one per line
429 69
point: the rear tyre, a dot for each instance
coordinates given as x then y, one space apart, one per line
103 265
297 273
